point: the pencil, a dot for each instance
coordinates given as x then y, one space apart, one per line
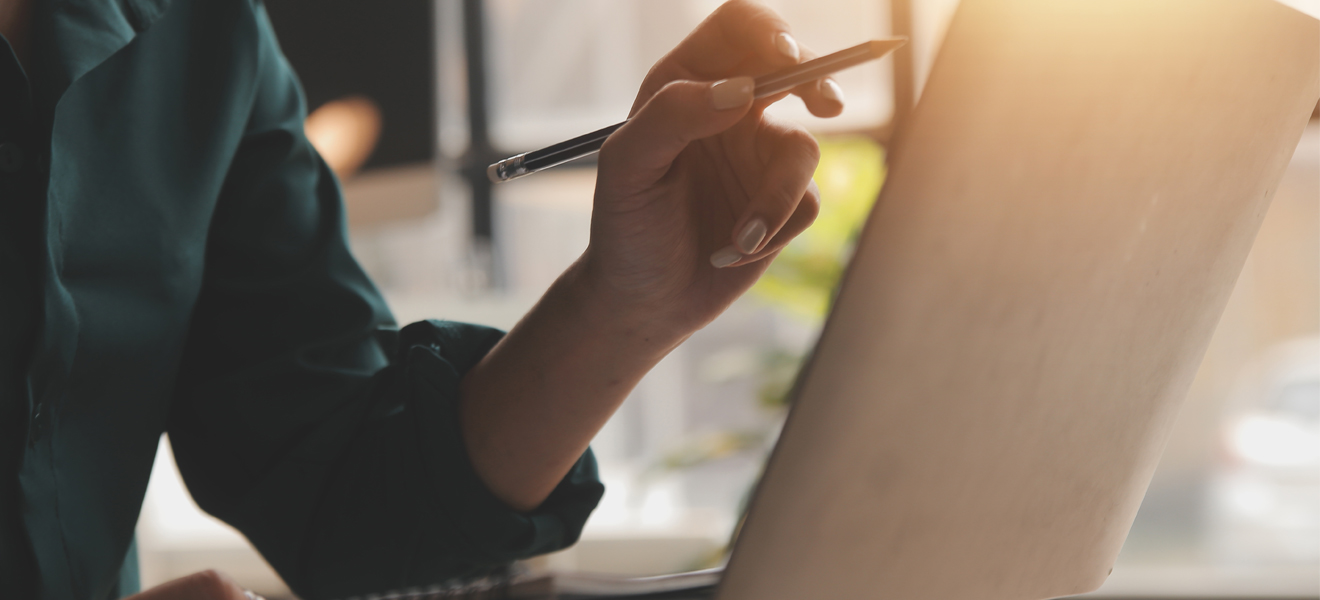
767 85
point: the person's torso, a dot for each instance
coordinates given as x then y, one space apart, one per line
104 250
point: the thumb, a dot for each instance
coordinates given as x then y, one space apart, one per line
680 113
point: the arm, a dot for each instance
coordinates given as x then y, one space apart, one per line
204 585
336 443
303 416
694 197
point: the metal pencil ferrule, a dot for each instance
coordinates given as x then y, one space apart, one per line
507 169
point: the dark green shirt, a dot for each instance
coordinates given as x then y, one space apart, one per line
173 258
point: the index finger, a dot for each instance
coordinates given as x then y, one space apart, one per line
736 31
737 35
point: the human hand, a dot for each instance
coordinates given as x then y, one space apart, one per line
701 189
206 585
694 196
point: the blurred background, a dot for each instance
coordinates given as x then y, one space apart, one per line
412 99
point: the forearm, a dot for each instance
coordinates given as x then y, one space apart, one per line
530 408
678 188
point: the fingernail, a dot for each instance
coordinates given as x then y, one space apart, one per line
831 90
732 92
787 46
725 257
750 237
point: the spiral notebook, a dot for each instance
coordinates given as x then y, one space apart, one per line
521 585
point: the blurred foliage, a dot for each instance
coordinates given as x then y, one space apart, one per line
778 371
802 279
711 446
801 282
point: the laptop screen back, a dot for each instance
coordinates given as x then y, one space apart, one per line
1066 214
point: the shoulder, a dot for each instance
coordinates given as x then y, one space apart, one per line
215 54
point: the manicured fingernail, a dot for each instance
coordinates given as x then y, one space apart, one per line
725 257
787 46
831 90
732 92
749 239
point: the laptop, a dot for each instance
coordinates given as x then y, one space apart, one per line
1065 215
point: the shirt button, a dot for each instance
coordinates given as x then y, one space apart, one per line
11 157
37 428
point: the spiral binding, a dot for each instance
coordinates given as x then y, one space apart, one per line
490 587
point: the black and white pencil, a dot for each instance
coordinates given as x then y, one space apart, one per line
766 85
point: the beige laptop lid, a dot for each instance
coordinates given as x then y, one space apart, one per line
1065 216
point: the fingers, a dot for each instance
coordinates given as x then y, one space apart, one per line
679 114
827 101
823 97
739 38
807 210
206 585
736 31
783 188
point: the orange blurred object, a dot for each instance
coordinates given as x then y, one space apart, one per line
344 132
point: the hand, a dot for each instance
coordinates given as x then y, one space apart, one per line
206 585
700 189
693 197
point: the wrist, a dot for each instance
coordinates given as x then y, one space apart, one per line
628 316
531 406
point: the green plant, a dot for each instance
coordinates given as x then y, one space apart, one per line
802 279
800 283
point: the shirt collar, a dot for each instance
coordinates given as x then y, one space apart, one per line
71 37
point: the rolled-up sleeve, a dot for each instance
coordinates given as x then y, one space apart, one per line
306 419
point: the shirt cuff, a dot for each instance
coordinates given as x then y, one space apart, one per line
435 355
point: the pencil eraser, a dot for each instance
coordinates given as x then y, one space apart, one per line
493 173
